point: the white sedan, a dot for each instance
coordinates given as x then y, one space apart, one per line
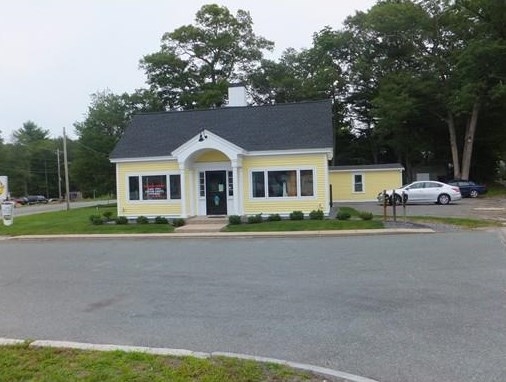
428 191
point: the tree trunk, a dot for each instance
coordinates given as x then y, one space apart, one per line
469 141
409 170
453 145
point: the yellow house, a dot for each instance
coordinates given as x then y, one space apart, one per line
235 160
363 183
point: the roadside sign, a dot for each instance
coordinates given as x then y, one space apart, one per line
3 188
8 213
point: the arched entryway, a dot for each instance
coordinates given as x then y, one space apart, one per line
211 173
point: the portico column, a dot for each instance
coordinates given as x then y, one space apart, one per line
236 165
182 171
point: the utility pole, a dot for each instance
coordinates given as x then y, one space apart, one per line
47 184
59 173
66 165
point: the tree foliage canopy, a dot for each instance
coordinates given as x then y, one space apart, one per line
197 62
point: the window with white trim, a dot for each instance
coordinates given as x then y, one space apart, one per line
175 186
202 184
230 176
258 184
154 187
282 183
306 183
358 183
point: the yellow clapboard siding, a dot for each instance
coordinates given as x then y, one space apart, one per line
373 182
212 156
316 162
148 166
151 210
148 208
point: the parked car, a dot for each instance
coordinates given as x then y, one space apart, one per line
36 199
22 200
429 191
469 188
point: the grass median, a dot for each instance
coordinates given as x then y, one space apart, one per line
24 363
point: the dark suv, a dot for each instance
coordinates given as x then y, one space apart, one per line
36 199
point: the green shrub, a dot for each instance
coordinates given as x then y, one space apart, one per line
255 219
121 220
234 220
107 215
96 220
179 222
343 215
161 220
142 220
365 215
297 215
274 218
316 215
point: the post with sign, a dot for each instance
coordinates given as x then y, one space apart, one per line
7 208
8 213
4 190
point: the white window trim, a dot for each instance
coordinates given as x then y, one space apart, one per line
353 183
150 201
281 198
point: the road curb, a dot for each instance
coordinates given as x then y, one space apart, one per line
185 353
241 235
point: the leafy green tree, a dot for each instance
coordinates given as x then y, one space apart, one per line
309 74
30 133
107 117
197 62
431 58
31 161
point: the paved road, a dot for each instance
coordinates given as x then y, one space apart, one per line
40 208
480 208
392 308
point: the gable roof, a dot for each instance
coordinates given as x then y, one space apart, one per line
291 126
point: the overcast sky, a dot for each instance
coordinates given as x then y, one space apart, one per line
56 53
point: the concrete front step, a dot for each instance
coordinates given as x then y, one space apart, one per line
207 220
197 228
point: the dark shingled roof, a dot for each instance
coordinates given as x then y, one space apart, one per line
305 125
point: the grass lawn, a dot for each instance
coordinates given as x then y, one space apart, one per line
496 190
75 221
23 363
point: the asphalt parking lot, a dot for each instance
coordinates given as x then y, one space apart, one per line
480 208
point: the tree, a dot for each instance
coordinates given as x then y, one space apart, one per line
107 117
29 133
196 63
309 74
31 161
435 58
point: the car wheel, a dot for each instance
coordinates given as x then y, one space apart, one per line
473 194
443 199
398 199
